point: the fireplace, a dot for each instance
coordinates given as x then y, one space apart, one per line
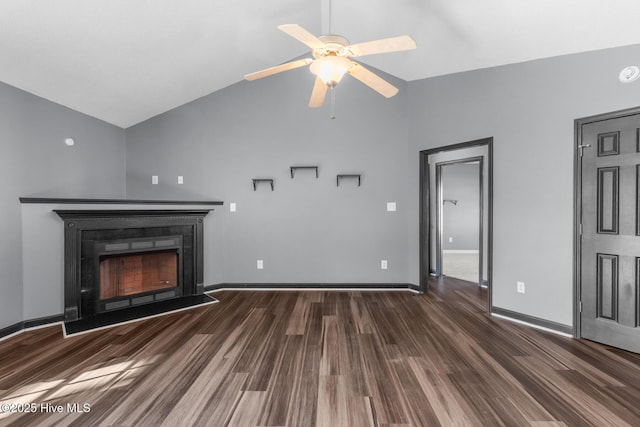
119 260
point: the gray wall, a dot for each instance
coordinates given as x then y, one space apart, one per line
461 222
529 109
36 162
308 230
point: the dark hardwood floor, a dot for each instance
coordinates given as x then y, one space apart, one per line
321 358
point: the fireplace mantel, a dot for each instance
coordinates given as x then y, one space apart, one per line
93 201
128 215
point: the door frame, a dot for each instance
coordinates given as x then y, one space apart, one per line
425 209
440 212
577 207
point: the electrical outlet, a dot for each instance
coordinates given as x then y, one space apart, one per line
232 207
154 180
520 287
180 179
383 264
391 206
259 265
450 239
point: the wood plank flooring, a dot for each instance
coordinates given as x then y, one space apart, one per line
321 358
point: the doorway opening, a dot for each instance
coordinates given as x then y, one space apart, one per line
436 240
459 219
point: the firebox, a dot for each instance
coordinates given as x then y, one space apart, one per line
125 275
137 271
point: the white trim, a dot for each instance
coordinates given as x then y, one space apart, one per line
317 289
32 328
531 325
46 325
64 330
15 334
460 251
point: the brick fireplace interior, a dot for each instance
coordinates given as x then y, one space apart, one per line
126 275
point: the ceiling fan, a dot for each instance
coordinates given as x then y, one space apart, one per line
332 60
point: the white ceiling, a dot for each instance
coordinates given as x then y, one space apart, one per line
124 61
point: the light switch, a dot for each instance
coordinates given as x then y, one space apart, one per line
391 206
232 207
180 179
154 179
259 265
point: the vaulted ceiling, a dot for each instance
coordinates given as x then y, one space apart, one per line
124 61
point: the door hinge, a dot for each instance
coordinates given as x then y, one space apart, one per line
581 147
581 229
580 306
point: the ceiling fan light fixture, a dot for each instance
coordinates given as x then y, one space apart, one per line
330 69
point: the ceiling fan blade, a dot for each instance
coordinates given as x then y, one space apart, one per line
393 44
318 93
302 35
372 80
278 69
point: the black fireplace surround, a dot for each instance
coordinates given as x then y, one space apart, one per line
91 235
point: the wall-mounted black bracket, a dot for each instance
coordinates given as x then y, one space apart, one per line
349 175
293 168
258 180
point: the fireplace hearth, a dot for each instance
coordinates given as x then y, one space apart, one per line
120 263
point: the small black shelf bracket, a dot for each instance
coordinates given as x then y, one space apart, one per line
293 169
349 175
258 180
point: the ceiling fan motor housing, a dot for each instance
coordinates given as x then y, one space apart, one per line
334 45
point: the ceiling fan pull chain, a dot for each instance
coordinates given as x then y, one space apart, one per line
333 102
